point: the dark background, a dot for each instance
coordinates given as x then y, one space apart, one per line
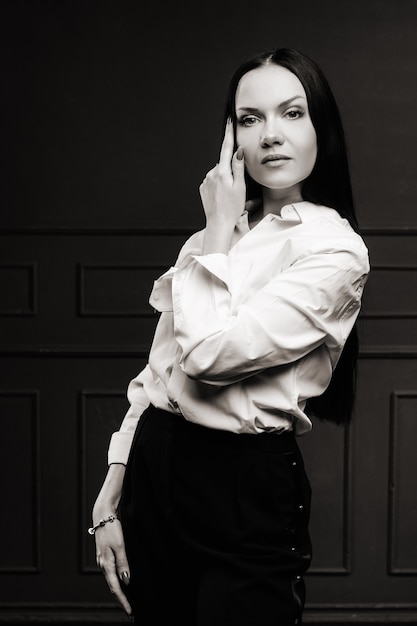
111 116
112 110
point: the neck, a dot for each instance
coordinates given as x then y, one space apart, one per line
273 199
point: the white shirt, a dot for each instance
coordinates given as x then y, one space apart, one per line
245 338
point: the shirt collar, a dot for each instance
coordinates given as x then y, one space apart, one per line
296 213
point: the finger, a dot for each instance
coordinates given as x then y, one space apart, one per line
114 586
238 165
122 567
226 151
212 173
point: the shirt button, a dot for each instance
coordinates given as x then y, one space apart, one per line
300 506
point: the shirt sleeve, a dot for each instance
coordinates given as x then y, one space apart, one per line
121 441
315 301
161 299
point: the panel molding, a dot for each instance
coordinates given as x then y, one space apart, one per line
66 613
360 614
32 290
393 521
85 311
386 314
367 230
75 231
346 567
34 523
366 352
74 351
388 352
109 613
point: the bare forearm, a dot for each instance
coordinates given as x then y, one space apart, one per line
109 497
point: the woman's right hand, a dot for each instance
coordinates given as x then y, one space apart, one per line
112 560
223 193
110 546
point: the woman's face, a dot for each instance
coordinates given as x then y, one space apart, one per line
274 129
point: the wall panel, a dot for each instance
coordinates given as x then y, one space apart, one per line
331 506
402 548
19 458
95 295
18 289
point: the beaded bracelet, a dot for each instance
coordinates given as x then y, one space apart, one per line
110 518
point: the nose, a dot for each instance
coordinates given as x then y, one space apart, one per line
270 136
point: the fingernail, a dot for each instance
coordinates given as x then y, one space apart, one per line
124 577
239 153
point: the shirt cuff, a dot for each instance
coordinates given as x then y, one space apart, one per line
161 295
217 264
119 448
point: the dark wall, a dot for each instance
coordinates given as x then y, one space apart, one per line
113 108
111 116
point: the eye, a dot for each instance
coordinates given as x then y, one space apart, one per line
294 114
247 120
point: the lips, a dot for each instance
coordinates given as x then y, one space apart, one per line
275 157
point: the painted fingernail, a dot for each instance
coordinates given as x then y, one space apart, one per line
124 577
239 153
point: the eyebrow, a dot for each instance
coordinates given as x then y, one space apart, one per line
282 105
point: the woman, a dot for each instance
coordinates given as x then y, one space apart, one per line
206 491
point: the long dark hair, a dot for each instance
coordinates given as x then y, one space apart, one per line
329 184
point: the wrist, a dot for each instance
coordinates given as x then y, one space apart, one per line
101 522
220 224
218 238
103 508
108 499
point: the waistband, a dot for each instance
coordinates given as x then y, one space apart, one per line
267 441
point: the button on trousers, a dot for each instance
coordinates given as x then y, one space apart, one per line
215 525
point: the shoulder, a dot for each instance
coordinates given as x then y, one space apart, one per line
327 221
325 231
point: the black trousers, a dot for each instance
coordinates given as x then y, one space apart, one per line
215 525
